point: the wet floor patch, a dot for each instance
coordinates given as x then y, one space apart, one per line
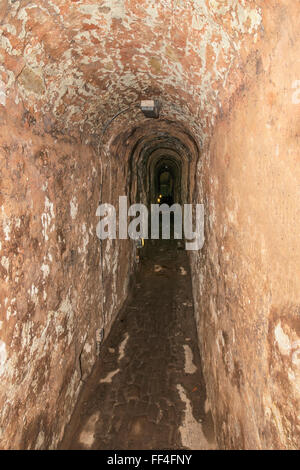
109 377
190 367
86 436
191 430
123 346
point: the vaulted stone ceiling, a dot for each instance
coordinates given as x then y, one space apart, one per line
72 64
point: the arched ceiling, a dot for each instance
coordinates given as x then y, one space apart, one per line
72 64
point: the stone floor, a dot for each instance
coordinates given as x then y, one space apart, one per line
147 390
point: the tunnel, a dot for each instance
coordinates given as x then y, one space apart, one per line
123 343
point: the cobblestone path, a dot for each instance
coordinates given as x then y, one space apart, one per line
147 390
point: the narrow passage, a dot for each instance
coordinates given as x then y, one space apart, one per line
147 390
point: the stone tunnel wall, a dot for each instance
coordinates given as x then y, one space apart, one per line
247 278
54 294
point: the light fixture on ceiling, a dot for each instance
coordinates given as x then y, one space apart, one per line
150 108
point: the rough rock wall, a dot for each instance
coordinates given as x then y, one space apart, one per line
247 279
53 292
